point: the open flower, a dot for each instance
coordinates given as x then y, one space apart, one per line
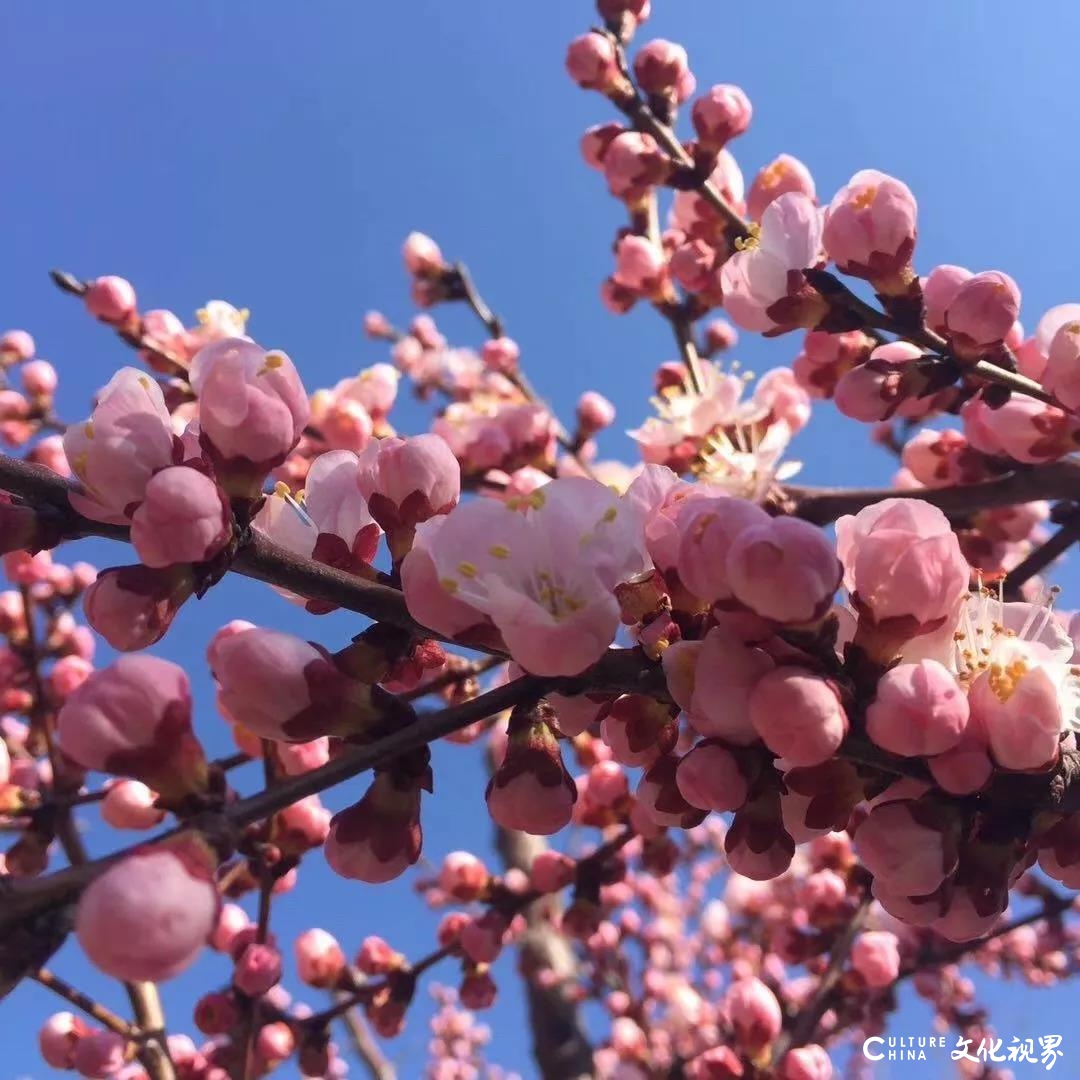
544 574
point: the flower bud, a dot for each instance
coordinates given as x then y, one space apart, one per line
720 115
709 778
130 804
15 347
58 1038
258 969
754 1013
132 607
981 313
320 961
148 916
184 518
133 718
110 299
591 62
876 957
918 710
784 174
663 68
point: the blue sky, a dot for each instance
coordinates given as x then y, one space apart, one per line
275 155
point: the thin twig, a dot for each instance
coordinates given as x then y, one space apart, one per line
377 1066
104 1016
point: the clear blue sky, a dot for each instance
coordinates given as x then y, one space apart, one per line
275 154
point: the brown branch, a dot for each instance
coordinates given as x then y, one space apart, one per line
809 1016
104 1016
1043 556
560 1044
367 1050
1057 480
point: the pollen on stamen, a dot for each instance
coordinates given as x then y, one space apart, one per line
467 569
499 551
448 585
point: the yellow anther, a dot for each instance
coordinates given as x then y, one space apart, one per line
467 570
88 429
751 240
499 551
448 585
281 490
610 514
865 197
273 361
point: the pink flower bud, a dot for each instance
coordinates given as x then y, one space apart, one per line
289 690
502 355
596 140
720 115
463 876
252 410
784 569
591 62
148 916
876 957
16 346
377 958
1062 375
720 336
134 718
258 968
130 804
709 778
712 681
784 174
482 937
232 920
633 164
902 559
551 871
110 299
798 715
275 1042
870 226
132 607
377 325
184 518
380 837
58 1038
659 795
918 710
754 1013
637 11
408 481
127 439
320 961
531 790
939 289
905 850
663 68
99 1054
39 379
594 413
50 453
422 255
807 1063
981 313
639 264
478 990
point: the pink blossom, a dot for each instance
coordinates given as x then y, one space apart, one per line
712 681
785 173
754 1013
721 114
902 559
633 164
39 379
708 528
981 313
1062 376
918 710
658 794
258 969
547 575
110 299
596 140
380 837
783 569
100 1054
870 226
15 347
531 791
132 607
594 413
663 68
639 265
130 804
806 1063
408 481
126 440
148 916
501 354
422 255
320 961
134 718
463 876
939 289
798 715
876 957
763 285
709 777
184 518
591 63
59 1037
899 845
1023 428
252 409
286 689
